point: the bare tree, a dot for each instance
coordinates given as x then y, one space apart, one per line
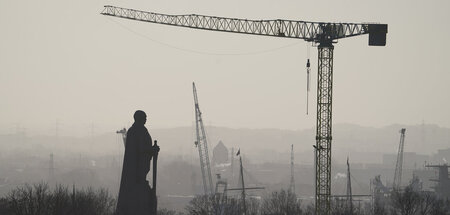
339 207
253 206
209 205
165 211
379 207
440 207
38 199
282 202
427 201
405 202
201 205
309 210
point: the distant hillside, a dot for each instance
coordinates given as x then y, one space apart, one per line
363 144
266 145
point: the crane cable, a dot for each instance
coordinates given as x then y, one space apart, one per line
308 77
201 52
357 182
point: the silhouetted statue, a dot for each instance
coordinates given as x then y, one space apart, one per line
135 195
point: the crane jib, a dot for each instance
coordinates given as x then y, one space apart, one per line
309 31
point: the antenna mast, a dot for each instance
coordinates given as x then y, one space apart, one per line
292 186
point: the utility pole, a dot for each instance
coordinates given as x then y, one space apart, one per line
232 164
243 188
292 186
243 185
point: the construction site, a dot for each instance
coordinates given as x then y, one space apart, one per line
282 117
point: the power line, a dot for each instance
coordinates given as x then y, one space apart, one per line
198 51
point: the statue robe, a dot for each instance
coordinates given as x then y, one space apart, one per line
134 194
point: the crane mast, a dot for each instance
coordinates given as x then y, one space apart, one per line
322 33
202 145
399 164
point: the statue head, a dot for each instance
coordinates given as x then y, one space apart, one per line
140 117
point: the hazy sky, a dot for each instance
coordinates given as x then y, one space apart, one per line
63 61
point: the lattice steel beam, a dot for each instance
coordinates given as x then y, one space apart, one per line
323 129
309 31
202 145
399 164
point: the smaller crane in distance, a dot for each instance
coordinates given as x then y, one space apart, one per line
202 145
399 164
243 185
349 189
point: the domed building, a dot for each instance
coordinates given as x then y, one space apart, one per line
220 154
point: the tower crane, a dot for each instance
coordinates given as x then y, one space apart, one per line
399 164
324 34
202 145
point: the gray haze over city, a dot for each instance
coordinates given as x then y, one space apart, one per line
70 78
62 61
